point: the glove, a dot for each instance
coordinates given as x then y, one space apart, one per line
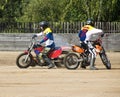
34 36
36 45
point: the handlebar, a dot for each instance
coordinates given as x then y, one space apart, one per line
35 42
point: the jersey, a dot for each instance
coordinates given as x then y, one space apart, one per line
87 28
48 38
87 31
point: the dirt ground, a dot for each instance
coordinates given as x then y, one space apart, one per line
59 82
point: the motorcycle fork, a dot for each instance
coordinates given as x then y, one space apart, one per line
28 52
102 51
26 58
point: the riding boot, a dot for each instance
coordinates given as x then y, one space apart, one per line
92 66
51 65
83 65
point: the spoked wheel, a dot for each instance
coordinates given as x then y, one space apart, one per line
71 61
105 60
23 60
60 61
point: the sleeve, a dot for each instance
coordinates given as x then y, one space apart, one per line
40 34
45 38
96 31
79 33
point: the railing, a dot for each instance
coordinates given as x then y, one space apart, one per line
58 27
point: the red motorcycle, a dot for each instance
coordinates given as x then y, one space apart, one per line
28 58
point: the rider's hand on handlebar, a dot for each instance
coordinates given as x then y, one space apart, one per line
36 45
34 36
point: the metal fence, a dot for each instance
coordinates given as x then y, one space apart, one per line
58 27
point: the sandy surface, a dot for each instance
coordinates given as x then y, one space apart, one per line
60 82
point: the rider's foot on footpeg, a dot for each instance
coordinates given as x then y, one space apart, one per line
51 66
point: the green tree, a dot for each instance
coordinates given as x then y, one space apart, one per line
71 11
59 10
99 10
2 6
38 10
11 10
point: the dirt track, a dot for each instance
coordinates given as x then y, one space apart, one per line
41 82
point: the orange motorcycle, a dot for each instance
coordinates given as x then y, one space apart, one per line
81 56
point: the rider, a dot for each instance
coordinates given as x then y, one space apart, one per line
49 41
85 35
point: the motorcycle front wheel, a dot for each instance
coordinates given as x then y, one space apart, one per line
105 60
23 60
71 61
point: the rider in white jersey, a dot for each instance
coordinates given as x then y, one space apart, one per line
49 42
85 35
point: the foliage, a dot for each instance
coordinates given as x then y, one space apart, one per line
59 10
10 10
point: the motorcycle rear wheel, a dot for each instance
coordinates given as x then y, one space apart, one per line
20 61
71 61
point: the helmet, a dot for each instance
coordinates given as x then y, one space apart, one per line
90 22
44 24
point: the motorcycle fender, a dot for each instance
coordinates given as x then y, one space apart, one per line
26 52
98 48
78 49
55 53
66 48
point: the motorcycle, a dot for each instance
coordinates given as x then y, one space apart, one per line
81 56
28 58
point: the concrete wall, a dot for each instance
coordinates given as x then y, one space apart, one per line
20 41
